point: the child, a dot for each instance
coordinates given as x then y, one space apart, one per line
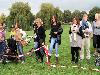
2 41
19 39
86 29
75 40
12 33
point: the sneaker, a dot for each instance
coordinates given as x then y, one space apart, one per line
23 62
0 61
8 61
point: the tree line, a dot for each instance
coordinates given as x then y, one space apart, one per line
21 12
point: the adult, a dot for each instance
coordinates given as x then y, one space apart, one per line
39 39
96 33
55 37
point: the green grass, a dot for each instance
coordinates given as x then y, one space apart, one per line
31 67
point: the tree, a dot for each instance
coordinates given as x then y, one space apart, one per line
58 13
2 18
92 13
67 16
47 10
21 12
82 13
76 13
45 14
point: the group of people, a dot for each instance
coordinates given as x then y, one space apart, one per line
15 35
81 33
55 37
80 36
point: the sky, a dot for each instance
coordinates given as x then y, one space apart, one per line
82 5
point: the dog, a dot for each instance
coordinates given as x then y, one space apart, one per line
74 29
86 34
10 54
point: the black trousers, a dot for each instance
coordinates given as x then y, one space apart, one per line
98 43
75 54
40 54
94 41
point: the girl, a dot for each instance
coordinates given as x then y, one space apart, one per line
2 40
75 40
18 37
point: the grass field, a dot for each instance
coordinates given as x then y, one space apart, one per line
31 67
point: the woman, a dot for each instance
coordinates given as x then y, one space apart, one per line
55 35
39 39
96 33
75 40
19 39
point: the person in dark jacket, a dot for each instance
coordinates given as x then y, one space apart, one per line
40 39
55 37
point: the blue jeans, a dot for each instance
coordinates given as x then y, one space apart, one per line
35 45
2 48
20 50
53 41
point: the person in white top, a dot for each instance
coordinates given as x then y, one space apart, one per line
87 30
96 34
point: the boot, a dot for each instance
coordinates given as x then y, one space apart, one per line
57 60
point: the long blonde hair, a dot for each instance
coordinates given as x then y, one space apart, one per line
39 20
99 16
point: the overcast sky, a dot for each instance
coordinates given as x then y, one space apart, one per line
62 4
